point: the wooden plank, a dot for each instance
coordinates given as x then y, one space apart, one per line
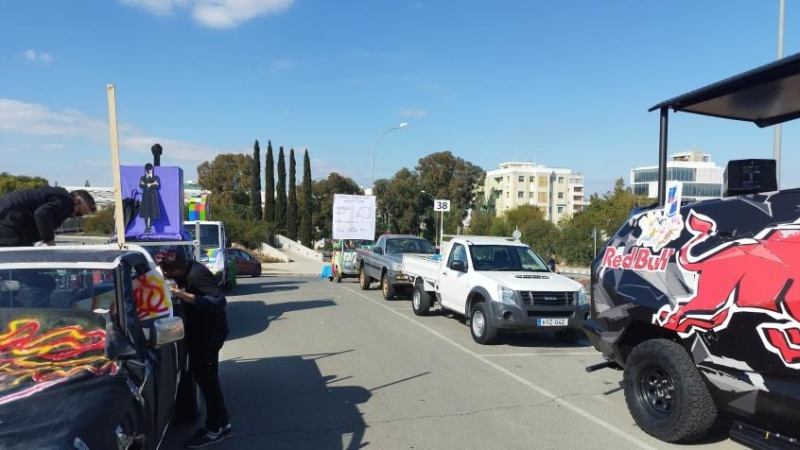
119 218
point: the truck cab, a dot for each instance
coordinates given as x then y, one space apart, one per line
212 249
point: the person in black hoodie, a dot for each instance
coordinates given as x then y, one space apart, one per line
206 330
28 216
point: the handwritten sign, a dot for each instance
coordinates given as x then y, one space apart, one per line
353 217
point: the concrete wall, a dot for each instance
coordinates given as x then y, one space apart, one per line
272 252
292 246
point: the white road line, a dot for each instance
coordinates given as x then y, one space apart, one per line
500 355
574 408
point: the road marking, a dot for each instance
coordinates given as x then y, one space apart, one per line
501 355
574 408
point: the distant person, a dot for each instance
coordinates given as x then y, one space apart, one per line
28 216
206 330
552 263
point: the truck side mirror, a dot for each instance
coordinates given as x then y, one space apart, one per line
378 250
458 266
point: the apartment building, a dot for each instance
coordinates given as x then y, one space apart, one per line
557 192
701 177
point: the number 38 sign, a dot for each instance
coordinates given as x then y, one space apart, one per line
441 205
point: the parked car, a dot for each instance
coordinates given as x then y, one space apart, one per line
697 302
246 263
384 262
90 348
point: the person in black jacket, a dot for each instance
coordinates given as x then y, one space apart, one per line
28 216
206 330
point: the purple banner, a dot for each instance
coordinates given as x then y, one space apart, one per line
152 201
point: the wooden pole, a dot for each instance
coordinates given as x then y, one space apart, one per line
119 218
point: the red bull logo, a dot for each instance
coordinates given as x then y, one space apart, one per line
758 274
640 258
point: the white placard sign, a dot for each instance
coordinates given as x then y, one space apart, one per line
441 205
353 216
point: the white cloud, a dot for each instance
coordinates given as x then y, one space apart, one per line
37 56
414 112
33 119
218 14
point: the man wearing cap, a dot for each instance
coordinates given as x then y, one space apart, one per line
28 216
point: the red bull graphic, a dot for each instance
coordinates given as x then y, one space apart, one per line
756 275
640 258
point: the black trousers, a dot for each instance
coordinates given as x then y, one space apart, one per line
204 364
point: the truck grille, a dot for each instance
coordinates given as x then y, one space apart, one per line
547 298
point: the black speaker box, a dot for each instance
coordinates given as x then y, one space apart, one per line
749 176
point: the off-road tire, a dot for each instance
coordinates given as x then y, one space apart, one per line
568 335
387 288
364 280
480 327
665 393
420 299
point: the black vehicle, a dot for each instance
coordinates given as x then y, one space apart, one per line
699 302
89 345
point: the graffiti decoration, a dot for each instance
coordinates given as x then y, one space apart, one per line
152 296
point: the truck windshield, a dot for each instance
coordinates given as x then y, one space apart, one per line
209 235
408 245
507 258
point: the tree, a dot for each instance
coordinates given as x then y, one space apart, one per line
100 223
280 194
449 177
307 209
229 178
269 186
255 193
323 191
292 211
10 182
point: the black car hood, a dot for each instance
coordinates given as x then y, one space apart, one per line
56 384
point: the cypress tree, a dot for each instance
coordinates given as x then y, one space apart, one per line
255 193
280 194
292 217
306 212
269 186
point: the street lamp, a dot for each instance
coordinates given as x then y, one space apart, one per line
375 146
776 138
552 197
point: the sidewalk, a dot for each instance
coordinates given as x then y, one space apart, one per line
298 266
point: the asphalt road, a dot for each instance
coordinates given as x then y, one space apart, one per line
312 364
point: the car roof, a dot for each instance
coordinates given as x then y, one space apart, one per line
83 256
766 95
491 240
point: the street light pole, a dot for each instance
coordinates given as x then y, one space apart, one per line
776 139
375 146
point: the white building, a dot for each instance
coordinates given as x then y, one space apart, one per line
558 193
701 178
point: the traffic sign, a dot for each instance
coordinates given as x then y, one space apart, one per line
441 205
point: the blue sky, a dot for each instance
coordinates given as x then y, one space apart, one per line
563 84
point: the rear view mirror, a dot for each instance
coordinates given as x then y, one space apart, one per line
166 331
9 286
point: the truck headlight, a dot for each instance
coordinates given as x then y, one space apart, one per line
397 267
580 297
507 296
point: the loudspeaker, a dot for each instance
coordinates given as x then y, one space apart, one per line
749 176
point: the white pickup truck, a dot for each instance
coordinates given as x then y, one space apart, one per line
498 284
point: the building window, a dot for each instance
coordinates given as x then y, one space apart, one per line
560 195
531 179
578 189
530 194
543 182
673 173
560 209
508 194
701 190
560 179
521 178
520 194
641 189
542 197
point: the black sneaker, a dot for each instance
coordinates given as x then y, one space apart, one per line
205 437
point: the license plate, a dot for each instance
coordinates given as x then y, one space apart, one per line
544 322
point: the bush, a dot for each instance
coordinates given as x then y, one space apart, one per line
101 223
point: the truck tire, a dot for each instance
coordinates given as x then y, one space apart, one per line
420 299
568 335
665 392
479 325
387 287
364 280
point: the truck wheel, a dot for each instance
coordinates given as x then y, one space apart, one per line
387 287
482 331
420 299
568 335
363 279
666 394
